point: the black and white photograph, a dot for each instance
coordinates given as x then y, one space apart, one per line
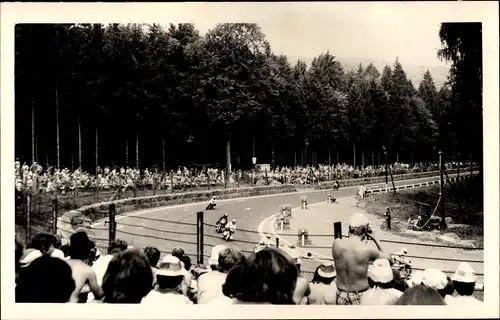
244 155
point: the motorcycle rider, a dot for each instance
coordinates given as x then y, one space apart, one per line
231 227
223 220
212 203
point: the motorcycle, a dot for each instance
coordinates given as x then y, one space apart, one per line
402 265
220 226
211 206
227 235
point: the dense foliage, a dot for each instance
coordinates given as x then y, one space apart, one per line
145 96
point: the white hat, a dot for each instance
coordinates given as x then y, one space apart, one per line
381 271
434 278
214 257
464 273
29 256
416 278
358 220
170 266
327 270
56 253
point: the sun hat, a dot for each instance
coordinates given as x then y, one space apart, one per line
464 273
214 257
381 271
170 266
358 220
29 256
434 278
327 270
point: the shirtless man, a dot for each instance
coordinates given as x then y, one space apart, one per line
79 251
352 256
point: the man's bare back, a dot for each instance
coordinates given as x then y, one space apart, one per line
83 274
352 257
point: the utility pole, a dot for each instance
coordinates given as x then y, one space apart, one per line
386 169
441 194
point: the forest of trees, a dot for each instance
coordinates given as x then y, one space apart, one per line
143 96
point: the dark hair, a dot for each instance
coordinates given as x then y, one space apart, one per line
266 276
398 282
463 288
187 262
359 231
153 255
228 258
448 289
42 242
19 254
80 246
317 278
117 246
65 249
168 282
45 280
128 278
420 295
381 285
178 252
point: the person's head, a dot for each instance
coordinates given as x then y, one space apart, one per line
228 258
178 252
233 221
80 246
225 215
153 255
45 280
325 273
213 261
267 276
128 278
464 280
380 275
43 242
186 262
420 295
436 279
117 246
170 273
416 278
359 225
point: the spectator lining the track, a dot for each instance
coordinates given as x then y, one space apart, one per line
323 288
45 280
302 288
186 283
169 278
352 256
46 244
464 282
266 277
128 278
153 255
420 295
210 283
381 280
83 274
437 279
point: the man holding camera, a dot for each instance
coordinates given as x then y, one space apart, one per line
352 256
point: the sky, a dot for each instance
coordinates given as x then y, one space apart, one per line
360 30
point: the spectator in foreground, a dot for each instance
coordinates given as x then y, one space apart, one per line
45 280
79 251
302 288
169 278
128 278
420 295
464 283
18 255
210 284
153 255
266 277
323 288
436 279
382 289
352 256
46 243
186 284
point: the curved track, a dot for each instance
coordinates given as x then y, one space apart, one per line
175 226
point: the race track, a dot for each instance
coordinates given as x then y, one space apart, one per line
175 226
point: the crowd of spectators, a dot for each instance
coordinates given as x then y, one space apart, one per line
37 179
360 275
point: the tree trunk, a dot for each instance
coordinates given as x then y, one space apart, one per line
363 157
412 162
163 155
354 154
96 147
126 152
57 127
137 149
329 157
337 149
272 154
32 129
295 158
302 156
378 158
373 158
397 156
228 157
79 143
253 145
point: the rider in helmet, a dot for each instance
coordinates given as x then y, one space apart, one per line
231 226
223 220
266 240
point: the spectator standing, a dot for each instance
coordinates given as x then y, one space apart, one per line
352 256
128 278
169 278
464 283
